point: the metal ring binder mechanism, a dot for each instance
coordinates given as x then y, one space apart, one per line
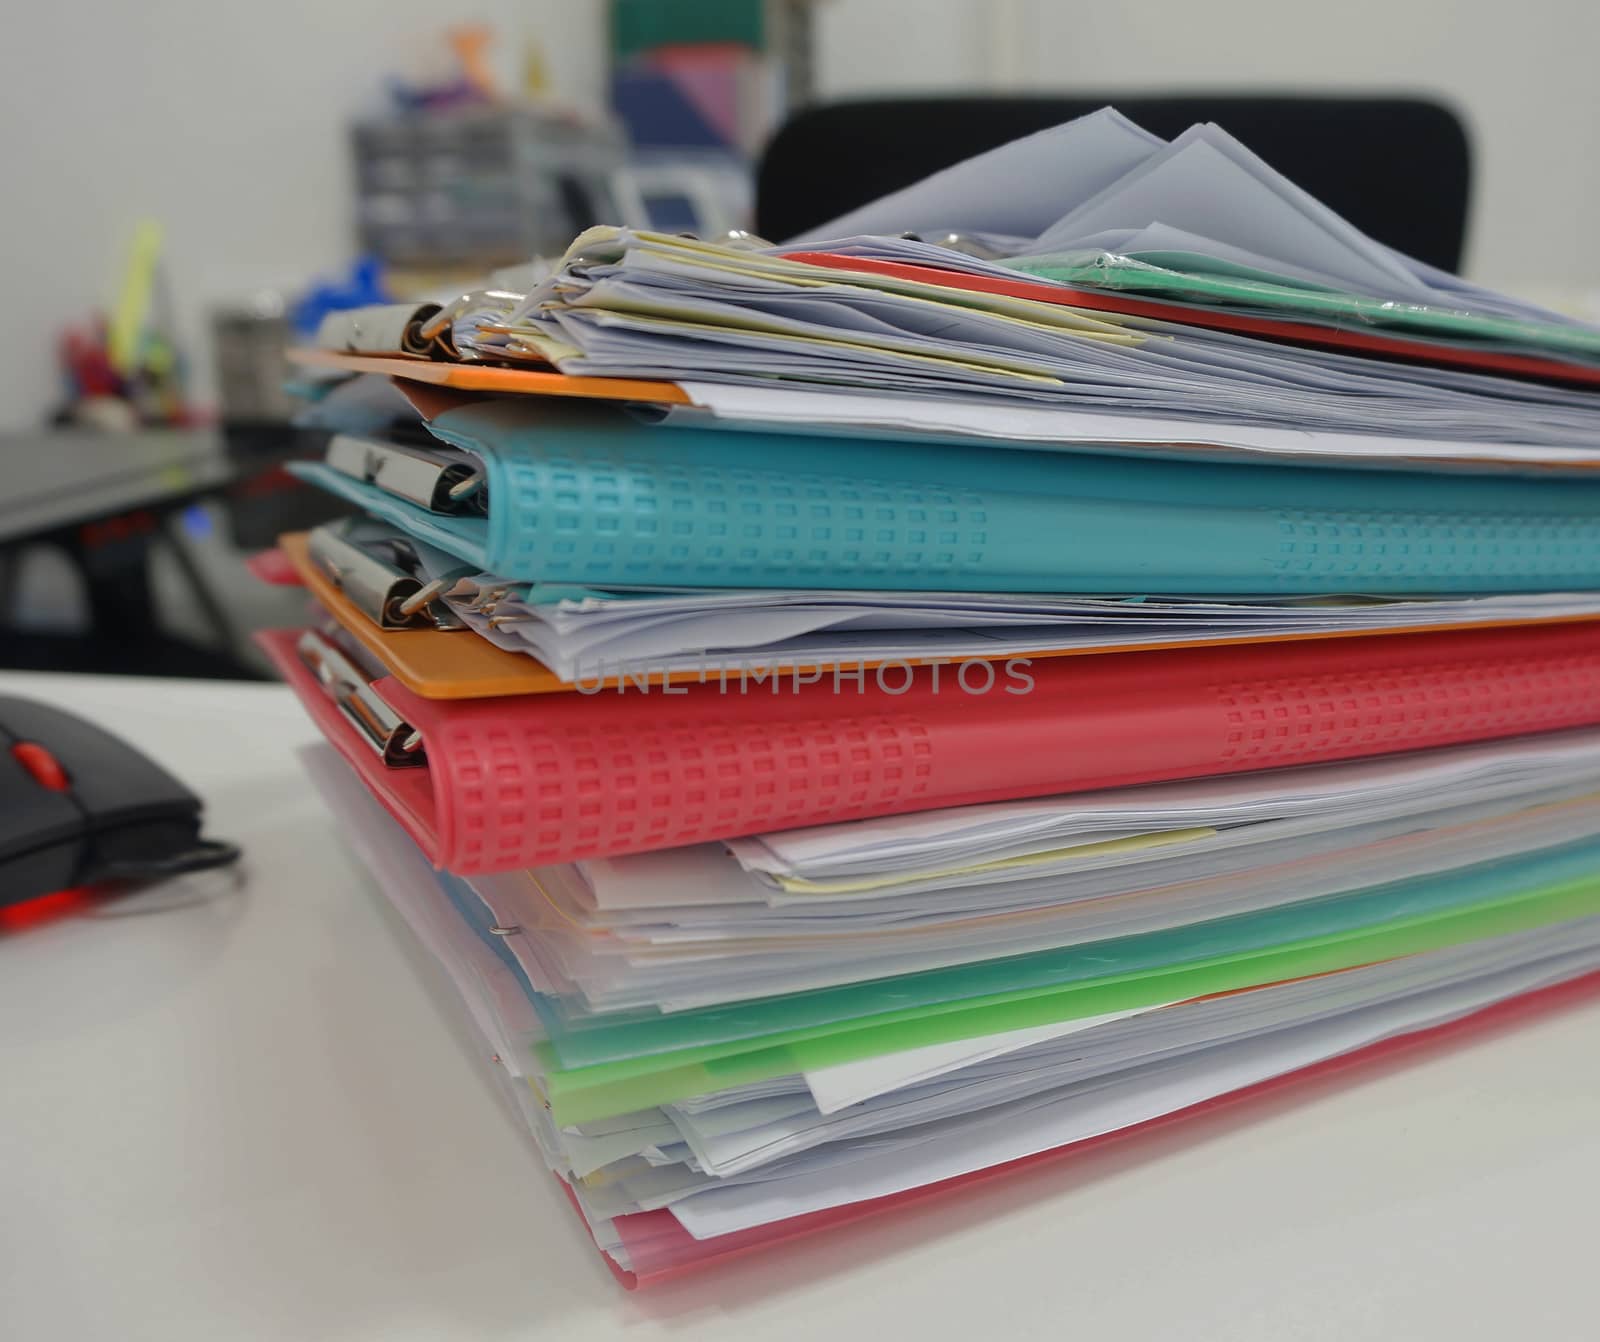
390 736
438 479
389 326
439 329
383 575
421 330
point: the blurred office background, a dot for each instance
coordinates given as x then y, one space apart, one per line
220 167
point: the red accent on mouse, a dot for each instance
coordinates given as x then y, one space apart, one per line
45 767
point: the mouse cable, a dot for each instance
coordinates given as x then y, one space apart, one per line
204 856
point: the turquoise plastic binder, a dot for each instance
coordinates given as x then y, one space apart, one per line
599 499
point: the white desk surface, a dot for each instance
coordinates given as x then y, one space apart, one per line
258 1118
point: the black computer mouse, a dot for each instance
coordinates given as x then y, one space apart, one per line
79 806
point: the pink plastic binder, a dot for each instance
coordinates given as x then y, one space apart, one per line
526 781
660 1249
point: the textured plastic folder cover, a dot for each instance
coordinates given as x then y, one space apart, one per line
660 1249
525 782
589 496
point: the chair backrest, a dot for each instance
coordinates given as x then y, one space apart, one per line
1397 168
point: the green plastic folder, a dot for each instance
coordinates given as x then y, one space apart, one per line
1238 287
582 1038
1531 893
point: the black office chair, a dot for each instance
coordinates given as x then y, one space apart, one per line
1397 168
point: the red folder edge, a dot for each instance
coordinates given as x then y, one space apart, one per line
526 781
273 568
407 794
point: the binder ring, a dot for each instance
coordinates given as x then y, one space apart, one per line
421 597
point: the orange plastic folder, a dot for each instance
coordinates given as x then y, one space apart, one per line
437 664
430 662
501 784
480 377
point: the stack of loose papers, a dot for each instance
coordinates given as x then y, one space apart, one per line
590 637
1148 396
647 305
1316 913
1110 209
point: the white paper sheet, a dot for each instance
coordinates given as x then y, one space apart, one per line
846 1083
1019 188
1204 183
589 640
1038 426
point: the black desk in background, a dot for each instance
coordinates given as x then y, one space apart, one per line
107 501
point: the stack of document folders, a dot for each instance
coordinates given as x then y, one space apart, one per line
1070 644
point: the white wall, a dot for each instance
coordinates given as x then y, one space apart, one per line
223 120
226 120
1523 75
